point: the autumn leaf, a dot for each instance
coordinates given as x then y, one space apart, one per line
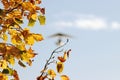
29 40
60 67
38 37
2 48
68 52
42 10
11 60
51 73
15 75
31 22
42 19
65 55
3 64
41 77
5 37
18 21
61 59
28 6
34 17
64 77
21 64
15 39
26 56
21 46
3 76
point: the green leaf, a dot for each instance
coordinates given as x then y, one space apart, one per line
42 19
31 22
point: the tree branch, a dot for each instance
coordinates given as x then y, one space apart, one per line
49 59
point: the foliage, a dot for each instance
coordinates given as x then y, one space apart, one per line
17 40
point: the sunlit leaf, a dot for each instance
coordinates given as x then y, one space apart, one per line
64 77
31 22
34 17
27 6
60 67
29 40
11 60
15 39
3 64
38 37
42 19
21 46
3 76
51 73
5 37
65 55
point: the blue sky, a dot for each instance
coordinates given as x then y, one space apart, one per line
95 25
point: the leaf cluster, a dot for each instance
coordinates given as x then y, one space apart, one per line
19 49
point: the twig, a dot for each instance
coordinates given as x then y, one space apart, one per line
48 61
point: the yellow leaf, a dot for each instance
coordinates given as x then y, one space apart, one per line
42 19
26 56
11 60
34 16
3 77
29 40
27 6
38 37
64 77
5 38
21 46
60 67
65 55
51 73
3 64
15 39
31 22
